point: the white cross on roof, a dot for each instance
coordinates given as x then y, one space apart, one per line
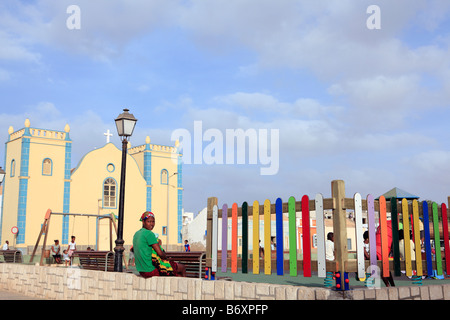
108 134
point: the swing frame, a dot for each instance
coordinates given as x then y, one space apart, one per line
46 227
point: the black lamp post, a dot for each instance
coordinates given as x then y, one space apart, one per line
125 123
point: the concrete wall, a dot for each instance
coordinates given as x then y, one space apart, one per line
76 284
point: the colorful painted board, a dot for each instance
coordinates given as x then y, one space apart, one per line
234 237
320 228
244 237
406 241
372 231
292 238
384 237
224 237
306 237
427 242
256 244
445 234
416 233
267 247
395 237
279 236
359 237
437 240
214 245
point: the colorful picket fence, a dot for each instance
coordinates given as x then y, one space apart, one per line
408 212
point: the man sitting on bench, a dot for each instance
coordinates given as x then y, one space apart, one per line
145 244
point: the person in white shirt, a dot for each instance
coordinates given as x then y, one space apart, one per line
6 245
366 245
329 249
72 247
66 258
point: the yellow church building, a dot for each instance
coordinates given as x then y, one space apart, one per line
39 176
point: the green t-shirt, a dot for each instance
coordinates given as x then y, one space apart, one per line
142 247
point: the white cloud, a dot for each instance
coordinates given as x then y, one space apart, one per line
15 49
143 88
86 129
428 171
382 79
106 26
381 103
257 102
433 162
307 128
327 37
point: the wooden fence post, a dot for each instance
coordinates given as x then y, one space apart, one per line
212 201
339 224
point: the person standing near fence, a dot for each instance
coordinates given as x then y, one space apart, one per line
329 249
366 245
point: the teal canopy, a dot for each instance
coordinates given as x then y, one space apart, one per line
399 194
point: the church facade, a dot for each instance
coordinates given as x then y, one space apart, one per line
85 199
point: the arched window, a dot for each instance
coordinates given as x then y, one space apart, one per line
164 176
13 168
47 167
109 193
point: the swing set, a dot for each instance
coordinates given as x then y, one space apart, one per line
46 227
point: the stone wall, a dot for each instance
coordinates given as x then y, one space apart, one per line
76 284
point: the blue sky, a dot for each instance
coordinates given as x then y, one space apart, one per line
370 107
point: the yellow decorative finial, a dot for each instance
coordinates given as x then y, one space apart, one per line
147 140
27 123
11 130
177 143
67 128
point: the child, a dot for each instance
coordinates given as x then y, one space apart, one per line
72 247
187 248
66 258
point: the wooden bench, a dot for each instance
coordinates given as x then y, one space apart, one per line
96 260
11 256
195 262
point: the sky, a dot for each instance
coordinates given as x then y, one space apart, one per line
333 91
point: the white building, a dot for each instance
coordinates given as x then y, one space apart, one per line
195 230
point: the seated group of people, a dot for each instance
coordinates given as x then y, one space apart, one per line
67 255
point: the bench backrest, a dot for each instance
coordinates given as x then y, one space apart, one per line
194 261
96 260
12 256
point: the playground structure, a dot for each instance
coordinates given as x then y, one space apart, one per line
45 228
379 265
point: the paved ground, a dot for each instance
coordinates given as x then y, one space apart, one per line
315 281
9 295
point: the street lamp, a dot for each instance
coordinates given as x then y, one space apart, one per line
125 123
